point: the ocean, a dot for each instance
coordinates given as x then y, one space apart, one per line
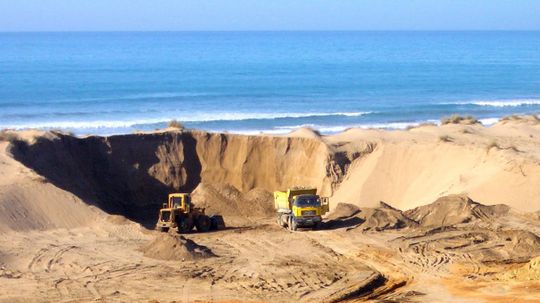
273 82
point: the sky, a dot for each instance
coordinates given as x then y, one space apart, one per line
241 15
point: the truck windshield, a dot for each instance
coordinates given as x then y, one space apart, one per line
310 201
176 202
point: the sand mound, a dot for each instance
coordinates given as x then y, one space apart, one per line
528 272
454 209
456 119
381 218
305 132
175 248
384 217
522 242
343 210
529 119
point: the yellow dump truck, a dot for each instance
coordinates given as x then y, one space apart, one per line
300 207
180 213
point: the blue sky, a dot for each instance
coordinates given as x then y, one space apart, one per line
114 15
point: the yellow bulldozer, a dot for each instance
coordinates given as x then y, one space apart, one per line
300 207
180 213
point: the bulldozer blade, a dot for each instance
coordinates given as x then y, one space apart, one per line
217 222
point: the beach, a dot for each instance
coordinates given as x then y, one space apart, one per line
445 212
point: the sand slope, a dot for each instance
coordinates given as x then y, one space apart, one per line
29 201
412 168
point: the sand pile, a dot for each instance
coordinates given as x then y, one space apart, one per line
175 248
343 210
520 242
452 210
384 217
448 211
381 218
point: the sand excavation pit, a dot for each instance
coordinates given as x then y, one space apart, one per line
79 213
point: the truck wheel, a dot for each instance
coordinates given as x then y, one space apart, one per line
280 221
294 225
185 225
291 223
202 224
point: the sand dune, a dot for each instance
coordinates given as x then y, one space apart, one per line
459 217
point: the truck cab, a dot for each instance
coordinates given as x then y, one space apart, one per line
300 208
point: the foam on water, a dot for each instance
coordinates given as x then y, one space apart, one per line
501 103
489 121
326 129
200 117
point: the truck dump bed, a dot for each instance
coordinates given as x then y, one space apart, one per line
283 199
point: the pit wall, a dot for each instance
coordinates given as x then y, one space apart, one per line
132 174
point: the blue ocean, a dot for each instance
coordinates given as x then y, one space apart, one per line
273 82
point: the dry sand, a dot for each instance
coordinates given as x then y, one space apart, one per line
459 221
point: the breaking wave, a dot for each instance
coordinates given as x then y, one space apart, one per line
501 103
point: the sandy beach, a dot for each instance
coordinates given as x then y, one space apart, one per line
447 213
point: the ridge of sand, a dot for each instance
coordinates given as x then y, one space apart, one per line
305 132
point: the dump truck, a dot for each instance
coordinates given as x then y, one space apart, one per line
300 207
181 214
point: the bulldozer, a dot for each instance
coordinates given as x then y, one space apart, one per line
299 208
180 213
